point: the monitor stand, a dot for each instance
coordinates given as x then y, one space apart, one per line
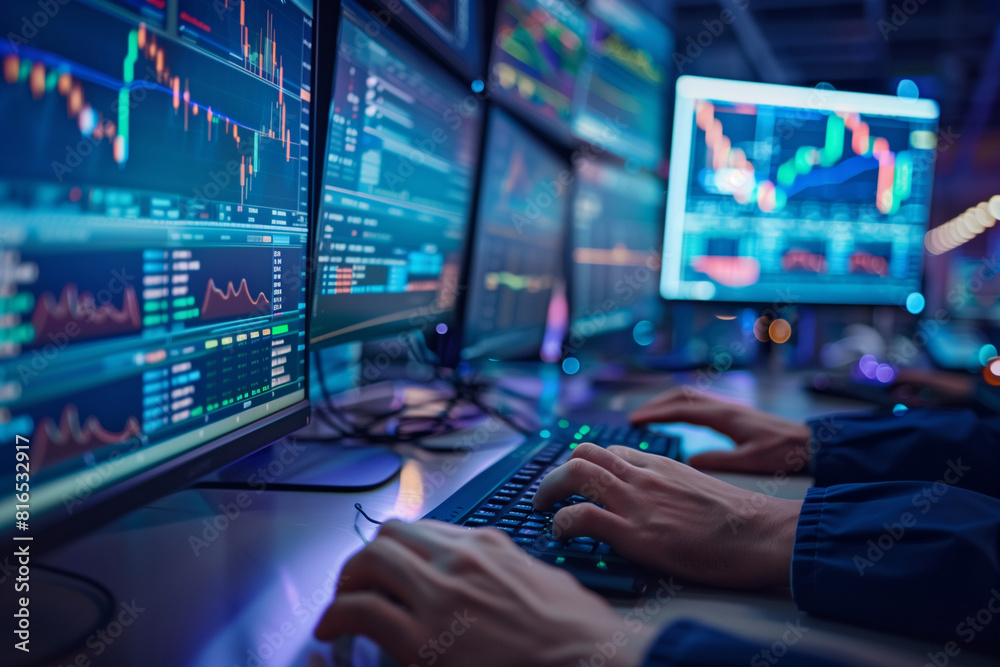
65 609
295 464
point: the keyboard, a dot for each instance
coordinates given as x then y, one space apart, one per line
501 497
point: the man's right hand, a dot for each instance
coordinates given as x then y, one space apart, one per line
671 518
764 443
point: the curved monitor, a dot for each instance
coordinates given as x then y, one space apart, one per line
780 194
397 189
153 238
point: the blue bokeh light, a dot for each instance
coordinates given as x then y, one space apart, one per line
571 365
915 303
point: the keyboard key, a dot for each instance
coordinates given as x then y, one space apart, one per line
583 548
485 514
529 532
475 521
523 541
502 498
533 524
521 516
508 522
491 506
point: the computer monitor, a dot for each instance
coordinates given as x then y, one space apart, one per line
539 49
796 195
452 28
617 237
517 256
622 93
153 237
397 189
972 288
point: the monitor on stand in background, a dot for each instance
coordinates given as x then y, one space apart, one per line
397 185
539 49
152 280
617 238
809 195
395 180
623 90
517 252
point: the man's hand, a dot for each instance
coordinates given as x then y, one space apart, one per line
669 517
764 443
431 592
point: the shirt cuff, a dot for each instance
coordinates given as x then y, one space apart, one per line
805 556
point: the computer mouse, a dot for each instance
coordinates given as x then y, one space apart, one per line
359 651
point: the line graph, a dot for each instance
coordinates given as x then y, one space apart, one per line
619 255
517 283
810 166
54 316
69 438
233 302
117 101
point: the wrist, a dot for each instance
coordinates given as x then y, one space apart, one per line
777 541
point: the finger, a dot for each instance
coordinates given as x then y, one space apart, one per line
589 520
430 539
583 477
714 414
686 393
369 614
388 566
600 456
743 459
632 456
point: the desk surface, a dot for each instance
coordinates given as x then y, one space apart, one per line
224 580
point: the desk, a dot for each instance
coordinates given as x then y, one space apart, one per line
248 590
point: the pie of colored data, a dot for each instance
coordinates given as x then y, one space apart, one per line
818 205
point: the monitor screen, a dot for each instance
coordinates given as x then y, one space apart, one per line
621 96
972 288
538 52
617 240
153 237
517 251
396 191
450 27
796 195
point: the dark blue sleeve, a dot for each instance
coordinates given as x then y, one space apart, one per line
956 446
687 643
915 558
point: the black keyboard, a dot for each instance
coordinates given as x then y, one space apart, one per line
502 497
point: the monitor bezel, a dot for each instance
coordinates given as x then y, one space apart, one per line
691 88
